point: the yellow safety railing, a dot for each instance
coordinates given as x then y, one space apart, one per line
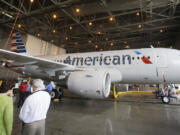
117 94
1 82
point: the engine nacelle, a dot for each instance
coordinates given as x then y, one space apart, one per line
90 84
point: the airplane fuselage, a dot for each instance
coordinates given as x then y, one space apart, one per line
151 65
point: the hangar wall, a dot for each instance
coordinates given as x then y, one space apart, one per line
38 47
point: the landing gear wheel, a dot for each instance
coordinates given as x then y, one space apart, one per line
52 94
165 100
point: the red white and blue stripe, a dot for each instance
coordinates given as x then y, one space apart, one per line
17 44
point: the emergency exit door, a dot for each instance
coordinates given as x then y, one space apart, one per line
161 69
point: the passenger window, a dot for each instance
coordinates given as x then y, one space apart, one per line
138 58
149 57
132 58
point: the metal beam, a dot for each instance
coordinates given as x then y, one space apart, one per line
75 20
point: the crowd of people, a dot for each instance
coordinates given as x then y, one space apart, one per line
34 102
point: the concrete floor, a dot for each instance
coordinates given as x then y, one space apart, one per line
130 115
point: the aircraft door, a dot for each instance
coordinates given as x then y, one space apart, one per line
161 69
161 61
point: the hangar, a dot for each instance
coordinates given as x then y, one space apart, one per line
93 31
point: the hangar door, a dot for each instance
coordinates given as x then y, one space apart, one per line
161 69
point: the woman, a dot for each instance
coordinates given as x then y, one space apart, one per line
6 109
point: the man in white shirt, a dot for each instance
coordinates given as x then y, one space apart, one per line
34 110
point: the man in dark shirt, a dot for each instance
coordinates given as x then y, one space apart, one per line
22 93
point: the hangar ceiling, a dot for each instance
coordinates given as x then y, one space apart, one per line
94 25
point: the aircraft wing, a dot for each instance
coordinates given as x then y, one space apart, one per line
23 59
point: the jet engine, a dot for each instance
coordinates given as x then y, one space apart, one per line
90 84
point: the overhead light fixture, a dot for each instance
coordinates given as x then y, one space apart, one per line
54 16
99 32
161 30
125 42
137 14
19 26
52 41
76 43
31 1
127 46
6 14
38 35
96 46
66 38
111 44
111 19
89 41
54 31
70 27
77 10
90 23
139 26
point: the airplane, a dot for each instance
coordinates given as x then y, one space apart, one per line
91 74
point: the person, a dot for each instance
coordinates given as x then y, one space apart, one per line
34 110
28 90
6 109
22 93
50 86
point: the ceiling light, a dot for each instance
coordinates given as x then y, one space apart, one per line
99 32
54 31
89 41
139 26
137 14
54 16
31 1
111 44
111 19
38 35
77 10
96 46
161 30
52 41
127 46
90 23
70 27
19 25
76 43
66 38
7 14
125 42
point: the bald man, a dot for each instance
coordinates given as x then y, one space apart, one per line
34 110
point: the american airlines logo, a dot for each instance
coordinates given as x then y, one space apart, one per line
104 60
98 60
143 58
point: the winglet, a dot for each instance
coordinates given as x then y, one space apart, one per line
17 44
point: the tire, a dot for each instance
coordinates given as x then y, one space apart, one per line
53 94
165 100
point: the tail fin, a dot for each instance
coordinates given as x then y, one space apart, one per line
17 44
